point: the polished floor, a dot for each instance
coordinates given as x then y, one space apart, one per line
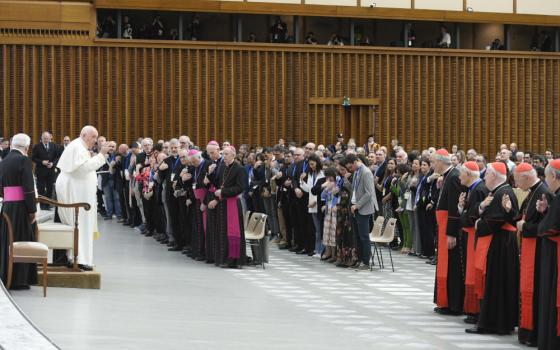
154 299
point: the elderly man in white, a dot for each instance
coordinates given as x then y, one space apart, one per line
77 183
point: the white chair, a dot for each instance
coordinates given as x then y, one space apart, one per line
246 217
61 236
387 237
376 232
255 232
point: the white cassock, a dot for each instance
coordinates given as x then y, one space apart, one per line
77 183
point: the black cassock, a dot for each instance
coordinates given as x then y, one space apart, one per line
198 242
15 171
447 202
499 307
549 230
529 240
231 180
476 193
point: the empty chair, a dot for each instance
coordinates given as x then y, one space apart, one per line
25 252
255 233
246 217
387 237
376 232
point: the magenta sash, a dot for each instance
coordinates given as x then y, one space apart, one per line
212 188
233 230
13 194
199 194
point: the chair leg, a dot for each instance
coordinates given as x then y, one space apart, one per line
45 276
381 254
377 251
10 271
391 256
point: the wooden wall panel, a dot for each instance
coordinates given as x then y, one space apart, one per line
256 96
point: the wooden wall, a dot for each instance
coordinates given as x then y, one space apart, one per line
257 94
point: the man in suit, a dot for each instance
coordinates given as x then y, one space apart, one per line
45 156
363 205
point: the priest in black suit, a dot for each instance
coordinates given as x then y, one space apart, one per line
45 156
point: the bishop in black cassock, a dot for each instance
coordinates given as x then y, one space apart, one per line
18 190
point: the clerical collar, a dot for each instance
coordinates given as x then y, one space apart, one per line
535 186
447 171
503 184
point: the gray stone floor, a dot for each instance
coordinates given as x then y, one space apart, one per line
154 299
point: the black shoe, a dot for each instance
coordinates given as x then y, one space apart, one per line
85 267
174 249
121 221
23 287
210 261
170 244
106 218
295 249
301 252
341 264
531 344
475 330
471 320
282 247
446 311
199 258
164 241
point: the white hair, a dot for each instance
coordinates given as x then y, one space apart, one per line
88 129
147 140
197 155
470 173
444 159
173 142
499 175
21 141
552 171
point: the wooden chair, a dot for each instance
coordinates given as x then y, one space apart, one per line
61 236
25 252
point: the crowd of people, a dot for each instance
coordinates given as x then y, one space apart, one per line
491 228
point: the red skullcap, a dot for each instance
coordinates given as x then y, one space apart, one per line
472 166
442 152
213 143
555 163
500 167
523 168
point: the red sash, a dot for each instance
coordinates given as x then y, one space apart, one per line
557 240
233 230
442 259
482 246
471 304
527 281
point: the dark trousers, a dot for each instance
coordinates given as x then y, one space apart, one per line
174 214
361 227
45 184
125 203
288 221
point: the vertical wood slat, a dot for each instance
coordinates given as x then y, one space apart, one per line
426 98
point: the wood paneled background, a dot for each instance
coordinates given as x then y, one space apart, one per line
257 94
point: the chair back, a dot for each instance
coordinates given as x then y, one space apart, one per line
260 228
246 217
389 231
252 222
377 230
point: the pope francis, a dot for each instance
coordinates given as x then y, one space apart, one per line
77 183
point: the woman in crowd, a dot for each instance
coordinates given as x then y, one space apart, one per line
402 193
387 201
330 196
308 181
346 240
425 211
415 178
